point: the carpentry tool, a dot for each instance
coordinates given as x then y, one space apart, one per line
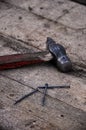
45 91
53 51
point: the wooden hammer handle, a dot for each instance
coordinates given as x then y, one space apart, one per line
19 60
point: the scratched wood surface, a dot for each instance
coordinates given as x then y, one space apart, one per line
24 27
33 29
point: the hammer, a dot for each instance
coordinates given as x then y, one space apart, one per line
54 51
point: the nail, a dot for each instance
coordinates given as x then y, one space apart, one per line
25 96
45 91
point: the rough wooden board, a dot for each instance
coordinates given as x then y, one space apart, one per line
66 12
30 122
76 95
18 118
15 83
63 110
47 8
54 115
35 33
53 10
17 27
27 122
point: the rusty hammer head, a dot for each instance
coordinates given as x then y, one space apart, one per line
59 54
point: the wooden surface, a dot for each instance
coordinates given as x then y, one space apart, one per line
24 27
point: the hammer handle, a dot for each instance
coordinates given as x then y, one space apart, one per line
19 60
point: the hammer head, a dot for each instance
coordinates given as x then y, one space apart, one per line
59 54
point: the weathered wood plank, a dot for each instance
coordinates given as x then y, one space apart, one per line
53 115
47 8
70 97
66 12
22 31
18 118
75 96
32 29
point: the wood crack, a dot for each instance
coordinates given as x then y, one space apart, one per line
15 40
78 72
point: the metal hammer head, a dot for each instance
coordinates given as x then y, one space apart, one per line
58 51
